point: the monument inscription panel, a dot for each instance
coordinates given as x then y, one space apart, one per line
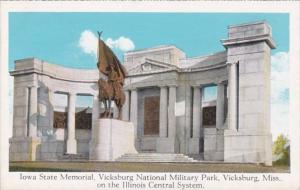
209 116
151 115
83 120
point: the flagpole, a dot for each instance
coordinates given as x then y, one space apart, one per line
99 33
98 53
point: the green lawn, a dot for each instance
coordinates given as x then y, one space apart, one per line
143 167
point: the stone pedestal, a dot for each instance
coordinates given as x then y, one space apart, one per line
110 139
24 148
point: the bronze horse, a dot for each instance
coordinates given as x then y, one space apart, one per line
108 94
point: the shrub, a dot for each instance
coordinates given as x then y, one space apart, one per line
281 151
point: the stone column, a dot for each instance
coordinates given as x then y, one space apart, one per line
134 110
163 112
171 112
232 96
194 142
71 141
51 109
197 112
220 105
25 131
125 109
33 111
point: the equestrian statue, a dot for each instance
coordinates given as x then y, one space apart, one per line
110 89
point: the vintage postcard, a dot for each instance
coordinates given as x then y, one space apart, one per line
150 95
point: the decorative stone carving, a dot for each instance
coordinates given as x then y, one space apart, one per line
146 67
151 66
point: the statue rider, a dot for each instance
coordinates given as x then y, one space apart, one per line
114 79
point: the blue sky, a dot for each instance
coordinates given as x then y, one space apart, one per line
65 39
54 36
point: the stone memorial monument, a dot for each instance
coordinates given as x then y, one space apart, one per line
164 110
111 138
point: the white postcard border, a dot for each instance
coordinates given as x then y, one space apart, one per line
10 180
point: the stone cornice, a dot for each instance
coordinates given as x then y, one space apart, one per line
150 50
205 68
52 75
248 39
181 70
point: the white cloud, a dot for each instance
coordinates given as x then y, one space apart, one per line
279 76
88 43
279 93
122 43
279 119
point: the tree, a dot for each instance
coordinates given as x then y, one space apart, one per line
281 150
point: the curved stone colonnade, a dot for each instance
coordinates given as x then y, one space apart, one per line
35 83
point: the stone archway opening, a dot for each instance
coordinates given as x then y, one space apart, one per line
83 122
209 106
60 117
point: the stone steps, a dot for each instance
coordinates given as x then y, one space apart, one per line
199 157
75 157
154 157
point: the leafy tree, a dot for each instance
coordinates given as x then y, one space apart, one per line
281 150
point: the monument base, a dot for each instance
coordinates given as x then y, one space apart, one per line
246 147
24 148
111 139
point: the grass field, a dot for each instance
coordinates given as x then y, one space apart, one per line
143 167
